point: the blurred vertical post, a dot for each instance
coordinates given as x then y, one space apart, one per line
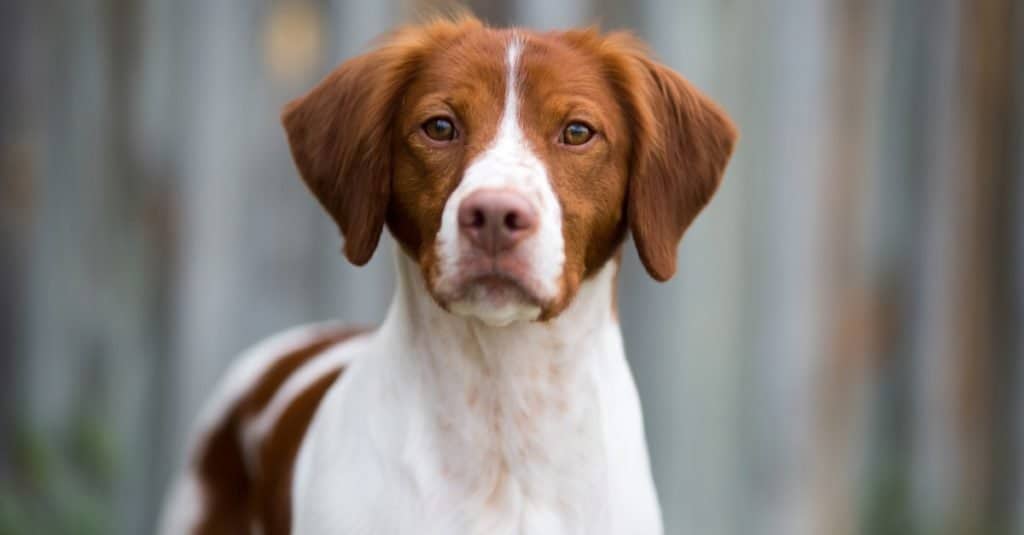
92 326
249 266
792 302
215 260
851 332
16 207
936 460
683 338
985 233
962 361
1015 496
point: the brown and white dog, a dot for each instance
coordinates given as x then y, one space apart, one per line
509 166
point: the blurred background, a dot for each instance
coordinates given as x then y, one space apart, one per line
838 354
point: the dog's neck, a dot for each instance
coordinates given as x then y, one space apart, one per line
465 348
509 403
466 341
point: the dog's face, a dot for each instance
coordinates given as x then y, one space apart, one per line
509 164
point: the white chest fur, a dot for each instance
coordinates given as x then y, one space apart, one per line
445 425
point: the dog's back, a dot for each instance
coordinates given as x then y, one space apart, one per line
239 465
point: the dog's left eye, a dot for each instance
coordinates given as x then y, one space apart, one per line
439 129
577 134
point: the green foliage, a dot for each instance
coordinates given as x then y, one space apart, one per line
887 504
62 481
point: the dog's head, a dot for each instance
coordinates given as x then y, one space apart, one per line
509 164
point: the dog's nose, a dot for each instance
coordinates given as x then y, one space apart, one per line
496 220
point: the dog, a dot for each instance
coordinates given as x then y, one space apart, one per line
509 166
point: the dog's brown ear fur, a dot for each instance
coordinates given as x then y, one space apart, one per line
340 139
682 143
341 132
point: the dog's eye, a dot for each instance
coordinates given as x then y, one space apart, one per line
577 134
439 129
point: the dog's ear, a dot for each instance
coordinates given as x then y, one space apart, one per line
681 144
340 138
341 132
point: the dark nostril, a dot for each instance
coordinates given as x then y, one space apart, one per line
512 221
520 219
479 219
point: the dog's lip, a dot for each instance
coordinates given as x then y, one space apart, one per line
499 280
502 278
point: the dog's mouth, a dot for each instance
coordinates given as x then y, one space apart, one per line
493 293
498 288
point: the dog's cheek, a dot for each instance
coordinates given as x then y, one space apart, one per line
591 192
418 195
402 220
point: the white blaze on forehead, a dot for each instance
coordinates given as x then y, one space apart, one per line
510 164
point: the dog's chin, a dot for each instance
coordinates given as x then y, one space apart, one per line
495 299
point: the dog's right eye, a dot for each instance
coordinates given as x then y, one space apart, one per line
439 129
577 133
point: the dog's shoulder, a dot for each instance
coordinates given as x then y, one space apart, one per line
250 431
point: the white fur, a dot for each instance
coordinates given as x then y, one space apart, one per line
508 163
447 425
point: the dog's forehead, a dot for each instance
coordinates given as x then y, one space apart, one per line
476 65
473 61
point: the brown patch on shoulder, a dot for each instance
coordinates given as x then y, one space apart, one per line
234 498
271 499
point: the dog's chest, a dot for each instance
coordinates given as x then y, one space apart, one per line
477 456
521 458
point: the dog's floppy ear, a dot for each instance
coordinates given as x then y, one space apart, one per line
681 144
341 132
340 138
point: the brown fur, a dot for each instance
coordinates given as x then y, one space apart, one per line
271 497
233 496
